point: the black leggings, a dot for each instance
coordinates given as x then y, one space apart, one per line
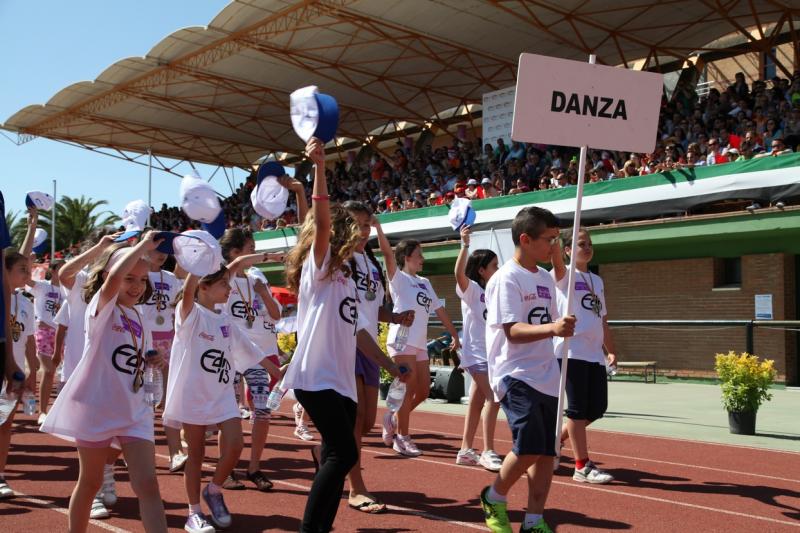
334 416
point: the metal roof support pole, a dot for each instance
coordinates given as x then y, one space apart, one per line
53 225
149 183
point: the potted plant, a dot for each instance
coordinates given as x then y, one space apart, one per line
745 386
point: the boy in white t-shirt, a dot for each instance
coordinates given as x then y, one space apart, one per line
522 317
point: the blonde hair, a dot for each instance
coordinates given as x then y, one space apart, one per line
95 279
345 237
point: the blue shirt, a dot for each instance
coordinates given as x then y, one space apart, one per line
5 242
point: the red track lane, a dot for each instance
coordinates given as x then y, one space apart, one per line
662 485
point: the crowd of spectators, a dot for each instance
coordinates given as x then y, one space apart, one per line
737 124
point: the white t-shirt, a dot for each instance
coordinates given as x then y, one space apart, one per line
208 348
587 343
98 401
413 293
76 333
47 299
263 332
473 311
370 281
20 310
515 294
160 304
327 322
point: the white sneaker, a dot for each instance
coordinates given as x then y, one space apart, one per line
109 490
467 457
591 474
405 446
244 412
491 461
99 510
302 432
297 409
177 462
197 523
42 417
5 491
388 428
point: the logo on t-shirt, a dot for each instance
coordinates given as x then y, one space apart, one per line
588 300
239 309
539 315
159 298
581 286
364 283
349 312
543 292
214 362
424 300
52 306
125 359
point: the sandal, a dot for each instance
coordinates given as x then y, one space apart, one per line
369 506
260 480
231 483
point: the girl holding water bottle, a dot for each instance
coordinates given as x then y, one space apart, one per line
473 272
20 324
330 328
371 287
102 404
408 345
209 348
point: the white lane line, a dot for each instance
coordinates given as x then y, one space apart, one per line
65 512
421 514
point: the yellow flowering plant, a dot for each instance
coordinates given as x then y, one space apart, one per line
287 343
383 334
745 380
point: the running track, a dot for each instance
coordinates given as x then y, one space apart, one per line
661 485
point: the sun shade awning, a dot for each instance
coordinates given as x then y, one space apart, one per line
219 94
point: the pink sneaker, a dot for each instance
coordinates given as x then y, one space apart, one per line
405 446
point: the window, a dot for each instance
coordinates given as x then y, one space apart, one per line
728 273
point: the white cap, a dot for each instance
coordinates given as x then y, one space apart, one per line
197 252
472 181
314 114
40 200
39 239
461 213
134 216
198 200
269 198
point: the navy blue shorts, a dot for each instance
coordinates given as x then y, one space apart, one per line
532 418
587 390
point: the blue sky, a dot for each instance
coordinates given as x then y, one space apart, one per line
46 45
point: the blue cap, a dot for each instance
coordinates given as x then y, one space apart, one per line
328 117
217 227
165 247
128 235
269 168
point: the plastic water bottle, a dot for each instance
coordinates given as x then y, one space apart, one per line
611 370
153 381
401 339
29 403
8 400
396 395
275 397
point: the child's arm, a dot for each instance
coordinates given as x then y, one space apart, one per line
70 270
27 242
58 346
367 345
608 343
238 265
557 260
461 261
272 306
187 302
118 272
299 191
448 325
520 332
33 363
386 248
270 367
320 202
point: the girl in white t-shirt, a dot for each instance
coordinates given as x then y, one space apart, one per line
472 275
330 327
589 351
252 307
159 315
102 404
209 348
20 328
411 292
47 300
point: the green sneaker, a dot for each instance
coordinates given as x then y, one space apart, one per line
540 527
495 514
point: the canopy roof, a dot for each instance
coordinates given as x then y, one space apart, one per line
219 94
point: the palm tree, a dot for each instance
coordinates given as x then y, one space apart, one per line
75 220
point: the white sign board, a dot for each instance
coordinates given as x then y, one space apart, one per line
764 307
570 103
498 111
